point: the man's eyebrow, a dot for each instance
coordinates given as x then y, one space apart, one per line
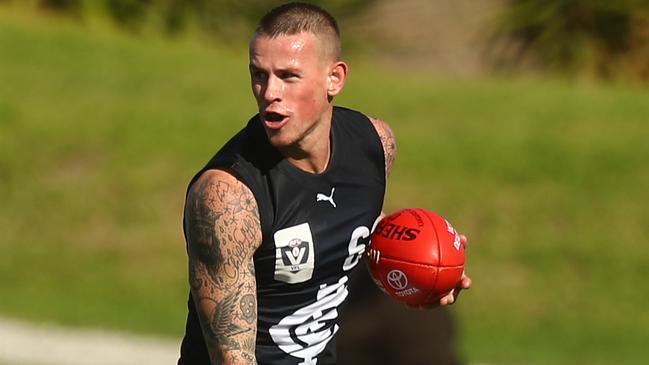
288 68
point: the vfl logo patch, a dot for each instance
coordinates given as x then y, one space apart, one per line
294 255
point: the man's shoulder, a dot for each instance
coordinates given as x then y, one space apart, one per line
241 142
346 112
219 199
376 127
221 190
219 183
246 154
249 146
377 124
381 126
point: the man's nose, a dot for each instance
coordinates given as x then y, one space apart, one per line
273 90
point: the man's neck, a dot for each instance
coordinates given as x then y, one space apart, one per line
315 161
312 154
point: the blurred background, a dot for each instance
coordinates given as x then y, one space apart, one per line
524 122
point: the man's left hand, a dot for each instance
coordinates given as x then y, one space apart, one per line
452 296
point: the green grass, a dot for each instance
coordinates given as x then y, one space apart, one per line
99 134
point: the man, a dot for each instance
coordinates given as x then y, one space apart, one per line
281 215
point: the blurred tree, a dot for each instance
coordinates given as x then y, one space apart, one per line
59 4
129 13
595 36
227 19
230 18
71 7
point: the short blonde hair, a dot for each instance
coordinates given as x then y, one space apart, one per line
294 18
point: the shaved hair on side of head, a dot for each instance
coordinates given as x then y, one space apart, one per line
295 18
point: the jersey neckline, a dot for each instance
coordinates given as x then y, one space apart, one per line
288 167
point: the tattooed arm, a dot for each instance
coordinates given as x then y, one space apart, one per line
388 141
389 144
223 232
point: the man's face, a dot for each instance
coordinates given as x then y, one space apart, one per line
290 81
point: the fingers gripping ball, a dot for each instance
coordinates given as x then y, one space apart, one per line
416 256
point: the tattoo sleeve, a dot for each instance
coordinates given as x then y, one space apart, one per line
223 232
388 141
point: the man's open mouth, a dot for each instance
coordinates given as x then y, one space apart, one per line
274 117
274 120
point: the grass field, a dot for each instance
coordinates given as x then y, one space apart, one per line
99 134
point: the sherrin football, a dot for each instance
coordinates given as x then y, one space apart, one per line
416 256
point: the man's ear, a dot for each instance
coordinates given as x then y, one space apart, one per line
337 77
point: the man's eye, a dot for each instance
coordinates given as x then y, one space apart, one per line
288 75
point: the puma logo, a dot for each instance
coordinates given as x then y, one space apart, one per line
321 197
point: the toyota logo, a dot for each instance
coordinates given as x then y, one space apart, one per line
397 279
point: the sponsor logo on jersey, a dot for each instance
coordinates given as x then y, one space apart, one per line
321 197
294 255
305 333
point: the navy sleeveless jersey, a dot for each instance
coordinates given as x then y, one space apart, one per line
315 229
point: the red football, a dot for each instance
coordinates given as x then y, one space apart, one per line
416 256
